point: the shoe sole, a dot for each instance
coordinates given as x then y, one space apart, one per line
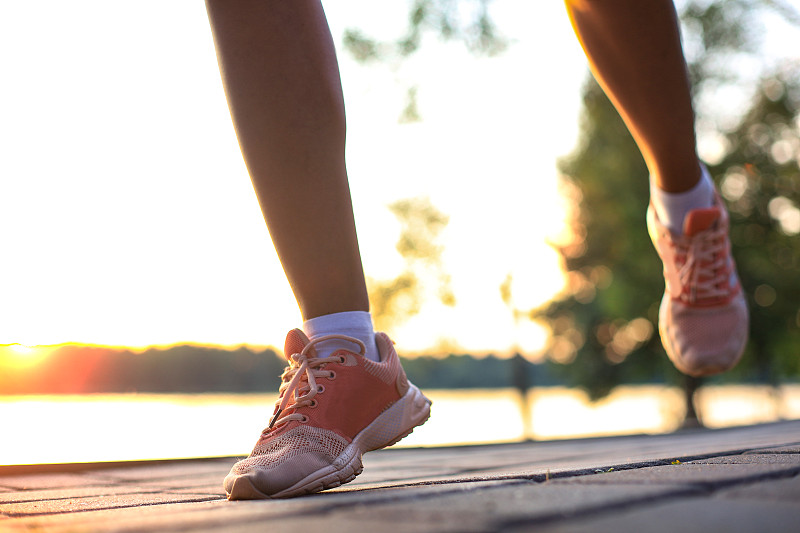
718 363
397 422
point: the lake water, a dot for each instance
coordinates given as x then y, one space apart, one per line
114 427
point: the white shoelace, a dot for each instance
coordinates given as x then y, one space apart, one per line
298 381
704 270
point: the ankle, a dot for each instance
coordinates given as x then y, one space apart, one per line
672 208
356 324
678 178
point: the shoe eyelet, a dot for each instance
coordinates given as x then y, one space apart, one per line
342 359
304 419
331 375
313 404
320 389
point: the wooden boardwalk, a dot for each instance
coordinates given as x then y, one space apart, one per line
741 479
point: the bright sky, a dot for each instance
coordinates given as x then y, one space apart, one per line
128 218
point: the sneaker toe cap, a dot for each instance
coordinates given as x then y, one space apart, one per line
704 341
249 480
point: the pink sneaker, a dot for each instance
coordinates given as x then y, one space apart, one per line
330 411
703 318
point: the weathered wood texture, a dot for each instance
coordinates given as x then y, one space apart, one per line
741 479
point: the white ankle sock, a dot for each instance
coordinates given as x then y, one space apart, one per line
356 324
672 208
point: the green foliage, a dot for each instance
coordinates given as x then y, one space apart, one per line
760 179
395 300
465 21
604 327
466 371
411 110
362 48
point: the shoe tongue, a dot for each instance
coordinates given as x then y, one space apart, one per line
700 220
296 340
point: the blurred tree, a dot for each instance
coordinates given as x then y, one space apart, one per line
394 301
607 316
604 325
759 178
465 21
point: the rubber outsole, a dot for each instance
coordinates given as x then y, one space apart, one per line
709 364
391 426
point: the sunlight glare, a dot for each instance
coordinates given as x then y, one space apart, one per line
22 350
21 355
200 267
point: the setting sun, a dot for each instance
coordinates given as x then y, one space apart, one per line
22 350
21 356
